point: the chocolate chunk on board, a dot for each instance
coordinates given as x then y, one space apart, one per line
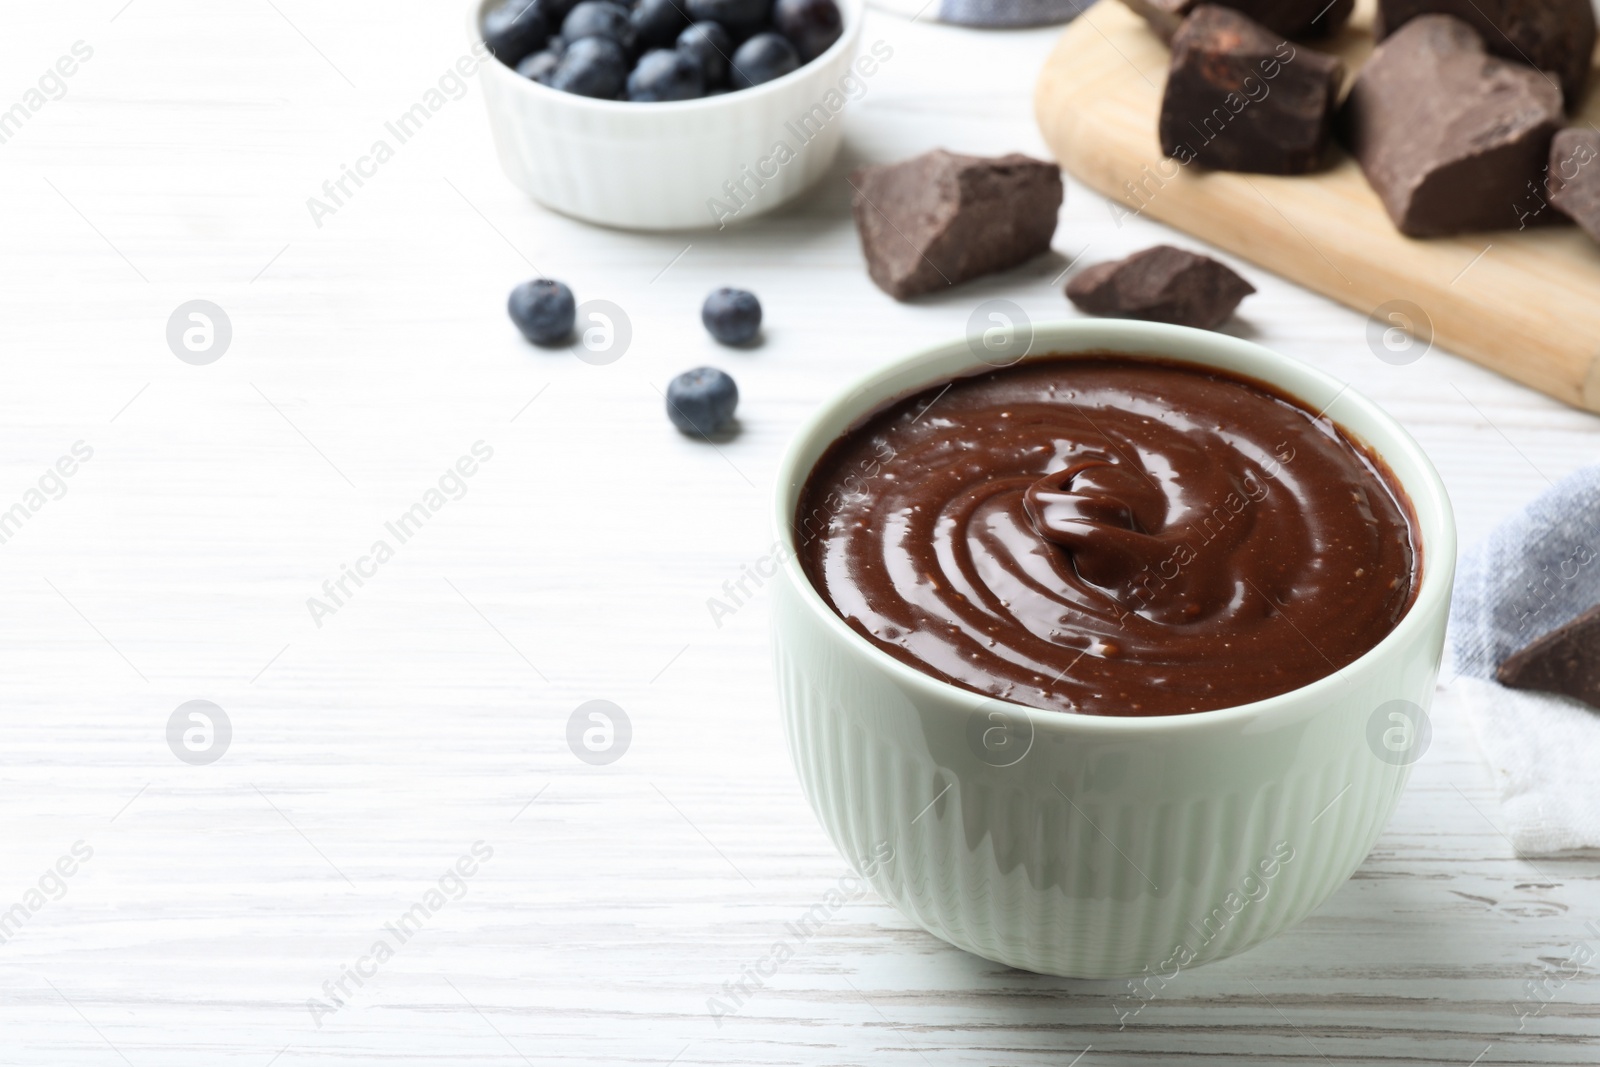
1292 18
1449 137
1574 176
1553 35
1161 284
940 218
1240 97
1565 661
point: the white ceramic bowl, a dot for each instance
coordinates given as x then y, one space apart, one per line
1114 846
690 164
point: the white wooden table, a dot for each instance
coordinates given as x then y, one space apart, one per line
429 711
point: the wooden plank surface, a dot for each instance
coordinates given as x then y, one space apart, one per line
381 746
1525 302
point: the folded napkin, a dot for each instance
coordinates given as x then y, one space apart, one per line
1535 573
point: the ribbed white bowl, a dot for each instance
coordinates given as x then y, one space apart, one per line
1116 846
668 166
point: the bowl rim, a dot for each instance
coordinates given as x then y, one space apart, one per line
1426 491
852 11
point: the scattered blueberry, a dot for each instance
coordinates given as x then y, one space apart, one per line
540 66
666 74
515 29
740 18
709 43
543 310
592 66
556 10
811 25
599 18
702 401
732 315
657 23
762 58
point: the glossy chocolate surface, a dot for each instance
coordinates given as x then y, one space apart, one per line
1109 535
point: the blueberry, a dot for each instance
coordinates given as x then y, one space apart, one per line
732 315
656 23
740 18
502 14
599 18
702 401
540 66
666 74
592 66
762 58
709 43
811 25
543 310
515 29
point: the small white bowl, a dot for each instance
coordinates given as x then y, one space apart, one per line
1113 846
689 164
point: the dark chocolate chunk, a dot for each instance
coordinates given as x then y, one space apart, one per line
1574 177
1565 661
942 218
1449 137
1553 35
1291 18
1240 97
1161 284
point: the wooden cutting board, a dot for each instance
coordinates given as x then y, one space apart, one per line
1525 303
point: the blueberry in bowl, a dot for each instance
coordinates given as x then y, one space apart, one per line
592 66
711 46
515 29
761 59
657 23
600 18
741 18
666 74
540 67
810 25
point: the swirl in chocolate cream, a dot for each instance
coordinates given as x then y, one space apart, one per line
1109 535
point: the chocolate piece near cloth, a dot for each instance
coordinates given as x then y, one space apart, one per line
1449 137
1565 661
1161 284
1553 35
1292 18
940 218
1240 97
1574 178
1533 574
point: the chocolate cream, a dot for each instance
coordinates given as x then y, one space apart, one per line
1109 535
